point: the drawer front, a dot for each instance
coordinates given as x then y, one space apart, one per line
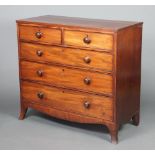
90 105
65 77
68 56
37 34
90 40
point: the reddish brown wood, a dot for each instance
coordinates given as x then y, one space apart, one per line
68 78
128 70
23 107
81 70
45 35
69 101
97 40
136 118
67 56
64 115
114 135
23 110
108 25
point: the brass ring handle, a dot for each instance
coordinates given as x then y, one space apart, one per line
87 59
87 80
39 53
38 35
86 104
87 40
40 95
40 73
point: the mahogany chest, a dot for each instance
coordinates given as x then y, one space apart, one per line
81 70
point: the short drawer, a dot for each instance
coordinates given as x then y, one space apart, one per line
67 56
89 40
39 34
67 77
62 99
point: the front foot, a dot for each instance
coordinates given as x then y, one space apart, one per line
22 112
22 116
114 137
114 133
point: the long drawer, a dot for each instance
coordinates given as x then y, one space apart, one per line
90 105
67 56
67 77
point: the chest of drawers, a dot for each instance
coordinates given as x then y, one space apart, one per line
81 70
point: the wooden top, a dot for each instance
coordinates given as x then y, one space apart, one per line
80 22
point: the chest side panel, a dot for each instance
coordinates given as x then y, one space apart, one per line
128 72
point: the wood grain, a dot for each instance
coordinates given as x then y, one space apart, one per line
70 101
64 115
51 36
101 41
78 23
128 73
88 70
67 56
65 77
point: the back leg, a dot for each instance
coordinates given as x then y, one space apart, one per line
135 119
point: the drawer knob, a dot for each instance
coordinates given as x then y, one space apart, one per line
86 104
39 53
87 80
87 40
40 95
40 73
38 35
87 59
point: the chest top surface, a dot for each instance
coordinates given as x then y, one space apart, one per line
110 25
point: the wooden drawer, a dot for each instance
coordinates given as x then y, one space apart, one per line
65 77
67 56
90 105
38 34
89 40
